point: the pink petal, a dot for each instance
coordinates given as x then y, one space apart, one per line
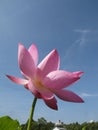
39 74
67 95
60 79
50 62
78 73
34 53
52 103
17 80
25 61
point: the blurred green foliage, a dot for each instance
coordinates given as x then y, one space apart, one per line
6 123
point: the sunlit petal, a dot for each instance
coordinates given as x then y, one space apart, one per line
50 62
34 53
25 61
60 79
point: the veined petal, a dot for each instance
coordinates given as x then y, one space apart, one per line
67 95
34 53
25 61
52 103
17 80
60 79
50 62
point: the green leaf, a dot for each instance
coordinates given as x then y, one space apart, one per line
6 123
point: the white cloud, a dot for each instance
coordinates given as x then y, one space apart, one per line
82 30
88 95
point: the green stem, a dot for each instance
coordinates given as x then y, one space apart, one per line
31 114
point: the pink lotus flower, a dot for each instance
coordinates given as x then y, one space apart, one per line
45 80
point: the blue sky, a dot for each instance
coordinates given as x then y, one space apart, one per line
70 26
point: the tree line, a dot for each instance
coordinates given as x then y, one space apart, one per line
42 124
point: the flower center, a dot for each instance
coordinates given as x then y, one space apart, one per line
42 89
38 84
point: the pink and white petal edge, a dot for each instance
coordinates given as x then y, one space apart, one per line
17 80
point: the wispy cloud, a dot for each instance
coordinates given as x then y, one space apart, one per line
88 95
82 40
75 47
79 42
85 38
82 30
